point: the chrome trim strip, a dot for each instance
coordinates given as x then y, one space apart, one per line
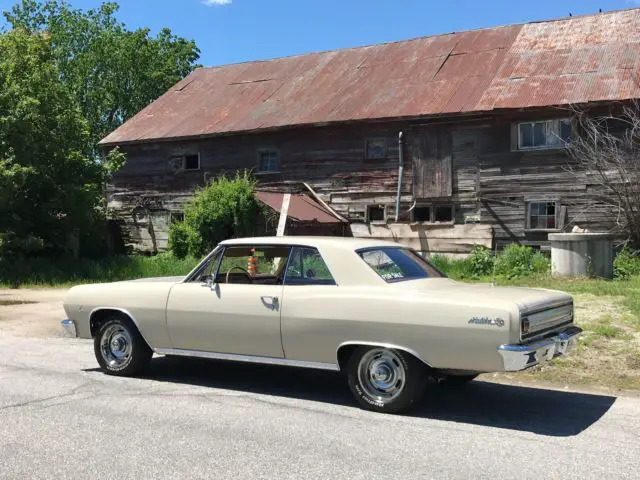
247 359
69 327
549 306
383 345
127 313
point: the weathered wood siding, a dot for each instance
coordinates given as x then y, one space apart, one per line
487 181
509 179
431 152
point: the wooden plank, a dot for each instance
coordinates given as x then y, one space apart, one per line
284 212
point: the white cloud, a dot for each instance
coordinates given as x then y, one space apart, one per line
213 3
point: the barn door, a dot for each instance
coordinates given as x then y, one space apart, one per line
431 156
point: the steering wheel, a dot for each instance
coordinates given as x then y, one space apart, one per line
237 268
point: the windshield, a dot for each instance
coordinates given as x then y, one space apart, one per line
397 264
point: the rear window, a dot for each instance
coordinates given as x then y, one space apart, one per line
398 264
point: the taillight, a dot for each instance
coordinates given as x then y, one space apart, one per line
524 326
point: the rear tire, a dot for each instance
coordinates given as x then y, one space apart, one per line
120 349
385 380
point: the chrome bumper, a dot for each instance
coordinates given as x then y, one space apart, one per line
521 357
70 327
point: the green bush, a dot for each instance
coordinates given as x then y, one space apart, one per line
481 261
227 208
519 261
626 264
478 264
179 239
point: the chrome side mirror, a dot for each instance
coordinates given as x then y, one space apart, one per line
211 283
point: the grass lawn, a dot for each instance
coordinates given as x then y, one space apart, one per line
608 354
66 272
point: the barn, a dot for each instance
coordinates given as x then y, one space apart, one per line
440 142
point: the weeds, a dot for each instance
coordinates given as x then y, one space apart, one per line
36 271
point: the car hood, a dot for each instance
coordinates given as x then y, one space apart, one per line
527 299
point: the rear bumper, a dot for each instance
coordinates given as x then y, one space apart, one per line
521 357
70 327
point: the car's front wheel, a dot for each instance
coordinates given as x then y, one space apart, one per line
385 380
120 349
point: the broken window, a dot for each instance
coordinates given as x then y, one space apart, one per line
268 161
376 213
443 213
541 215
192 162
422 213
376 148
544 134
177 217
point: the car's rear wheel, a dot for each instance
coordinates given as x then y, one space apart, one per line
385 380
120 349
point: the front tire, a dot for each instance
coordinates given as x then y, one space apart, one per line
120 349
385 380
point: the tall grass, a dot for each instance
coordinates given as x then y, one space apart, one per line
36 271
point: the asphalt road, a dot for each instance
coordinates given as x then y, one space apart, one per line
61 418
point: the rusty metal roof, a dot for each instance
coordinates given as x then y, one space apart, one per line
301 207
558 62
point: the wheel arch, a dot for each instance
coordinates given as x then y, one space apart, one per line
345 349
100 314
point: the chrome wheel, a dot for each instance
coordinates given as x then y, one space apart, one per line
116 346
381 374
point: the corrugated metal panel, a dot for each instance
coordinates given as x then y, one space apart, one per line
575 60
301 207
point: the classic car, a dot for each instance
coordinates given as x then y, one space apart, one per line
376 311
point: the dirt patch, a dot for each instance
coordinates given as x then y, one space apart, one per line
607 354
32 312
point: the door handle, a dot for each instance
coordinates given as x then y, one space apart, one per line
270 302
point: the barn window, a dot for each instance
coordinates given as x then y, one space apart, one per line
177 217
439 213
376 148
422 213
268 161
185 162
544 134
192 162
542 215
376 213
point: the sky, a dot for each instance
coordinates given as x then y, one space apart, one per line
231 31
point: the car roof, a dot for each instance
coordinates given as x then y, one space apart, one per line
349 243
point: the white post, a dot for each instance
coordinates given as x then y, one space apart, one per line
284 211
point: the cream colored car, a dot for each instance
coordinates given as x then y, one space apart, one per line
376 311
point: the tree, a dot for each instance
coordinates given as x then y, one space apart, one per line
49 185
226 208
112 72
608 151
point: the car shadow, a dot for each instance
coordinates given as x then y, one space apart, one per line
536 410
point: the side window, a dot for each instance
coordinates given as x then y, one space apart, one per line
208 269
306 267
253 264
